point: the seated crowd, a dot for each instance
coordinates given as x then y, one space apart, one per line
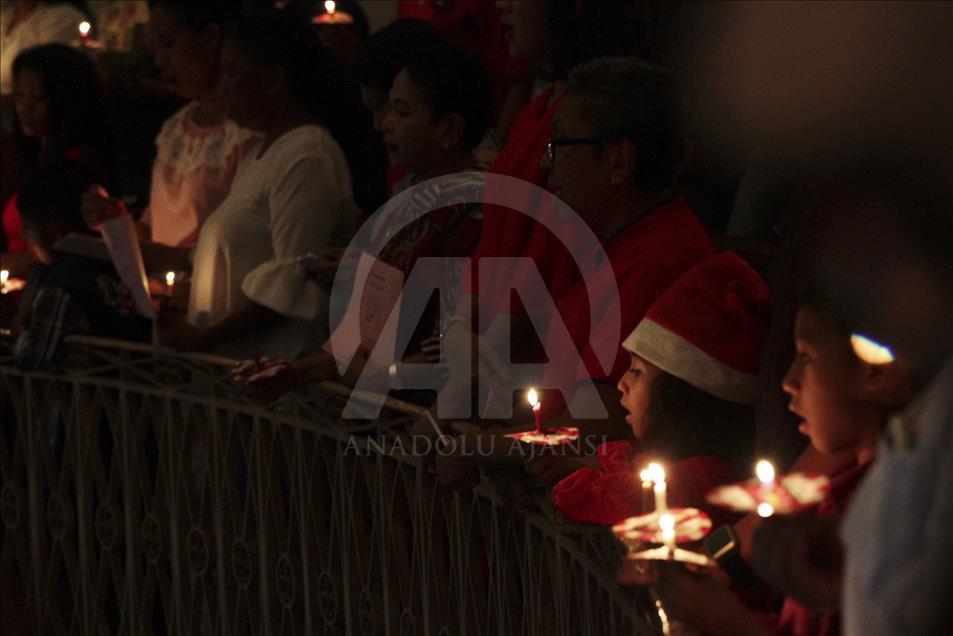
570 263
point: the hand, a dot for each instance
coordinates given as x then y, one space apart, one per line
264 380
702 603
97 206
176 332
801 557
551 469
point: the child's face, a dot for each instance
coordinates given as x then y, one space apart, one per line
29 100
825 382
411 135
636 387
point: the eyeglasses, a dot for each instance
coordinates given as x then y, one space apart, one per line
575 141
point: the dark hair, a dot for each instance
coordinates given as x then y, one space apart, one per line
318 83
587 29
196 15
628 98
684 421
385 53
77 112
453 80
52 193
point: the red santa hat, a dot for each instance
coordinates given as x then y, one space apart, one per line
708 327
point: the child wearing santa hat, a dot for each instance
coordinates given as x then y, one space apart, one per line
688 392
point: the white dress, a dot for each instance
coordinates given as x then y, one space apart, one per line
293 200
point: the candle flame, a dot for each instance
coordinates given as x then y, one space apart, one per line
329 6
4 275
531 395
646 475
666 522
765 510
870 351
765 471
170 278
657 472
84 28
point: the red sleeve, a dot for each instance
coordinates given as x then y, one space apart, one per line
601 497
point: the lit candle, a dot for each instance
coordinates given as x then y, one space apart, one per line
4 275
537 405
658 476
329 6
646 476
870 351
84 28
765 472
169 282
667 524
765 510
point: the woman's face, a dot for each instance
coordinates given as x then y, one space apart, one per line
636 388
33 109
186 59
246 87
410 133
526 31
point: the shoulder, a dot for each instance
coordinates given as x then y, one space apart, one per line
304 142
173 126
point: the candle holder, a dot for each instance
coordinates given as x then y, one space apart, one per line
786 495
668 529
555 436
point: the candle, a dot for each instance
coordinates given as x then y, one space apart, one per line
4 275
870 351
537 413
169 282
329 6
667 524
646 476
765 510
84 28
765 472
658 476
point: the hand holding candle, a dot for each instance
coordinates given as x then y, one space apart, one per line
84 28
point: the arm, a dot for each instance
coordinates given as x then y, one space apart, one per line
248 317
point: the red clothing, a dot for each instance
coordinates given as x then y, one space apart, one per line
797 620
509 232
645 258
615 493
13 226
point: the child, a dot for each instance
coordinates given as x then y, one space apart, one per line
845 403
693 374
66 293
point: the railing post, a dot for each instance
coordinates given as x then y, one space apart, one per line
218 461
175 558
258 466
303 507
83 519
33 484
128 503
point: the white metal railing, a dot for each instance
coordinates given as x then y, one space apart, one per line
140 494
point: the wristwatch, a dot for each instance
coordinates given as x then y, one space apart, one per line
723 547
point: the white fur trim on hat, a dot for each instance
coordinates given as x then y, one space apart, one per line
673 354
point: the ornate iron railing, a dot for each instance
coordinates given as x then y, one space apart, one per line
140 494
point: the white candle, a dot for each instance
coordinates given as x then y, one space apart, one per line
658 476
4 275
667 524
646 476
537 405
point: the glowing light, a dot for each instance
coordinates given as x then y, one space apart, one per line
170 278
645 475
4 276
329 6
667 522
765 472
765 510
657 473
531 395
84 28
870 351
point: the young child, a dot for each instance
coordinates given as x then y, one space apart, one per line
66 293
693 375
845 403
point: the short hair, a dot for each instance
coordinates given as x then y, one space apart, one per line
379 61
453 80
52 194
198 15
628 98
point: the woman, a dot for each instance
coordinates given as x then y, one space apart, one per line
59 115
291 196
